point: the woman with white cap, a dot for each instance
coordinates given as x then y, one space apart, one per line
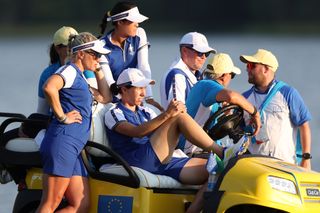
128 44
58 55
68 95
148 141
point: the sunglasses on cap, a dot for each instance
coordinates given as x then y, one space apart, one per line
199 54
95 54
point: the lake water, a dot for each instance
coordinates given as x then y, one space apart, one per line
22 61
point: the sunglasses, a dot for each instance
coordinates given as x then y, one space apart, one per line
199 54
232 75
251 65
95 54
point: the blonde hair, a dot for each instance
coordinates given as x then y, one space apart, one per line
81 38
209 74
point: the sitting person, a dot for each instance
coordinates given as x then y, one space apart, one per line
205 96
148 141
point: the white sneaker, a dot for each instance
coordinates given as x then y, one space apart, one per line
236 149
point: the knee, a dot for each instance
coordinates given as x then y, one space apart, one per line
85 205
81 205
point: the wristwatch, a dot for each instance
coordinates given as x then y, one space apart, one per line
306 156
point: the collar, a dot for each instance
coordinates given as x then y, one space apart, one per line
124 108
271 85
182 66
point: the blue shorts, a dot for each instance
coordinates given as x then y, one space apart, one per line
60 154
144 157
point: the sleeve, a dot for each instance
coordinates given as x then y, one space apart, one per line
104 63
43 106
299 112
179 90
113 117
143 58
211 94
68 73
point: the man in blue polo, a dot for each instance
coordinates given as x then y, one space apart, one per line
284 116
206 96
184 72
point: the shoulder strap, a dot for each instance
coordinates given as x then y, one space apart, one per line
170 80
267 100
273 91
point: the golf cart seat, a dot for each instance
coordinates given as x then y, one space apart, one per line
103 163
21 151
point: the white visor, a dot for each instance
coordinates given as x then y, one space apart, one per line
132 15
97 46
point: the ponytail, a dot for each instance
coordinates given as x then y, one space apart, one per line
115 90
54 56
118 8
103 24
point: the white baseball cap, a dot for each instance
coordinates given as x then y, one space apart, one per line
133 77
220 63
97 46
132 15
196 41
62 35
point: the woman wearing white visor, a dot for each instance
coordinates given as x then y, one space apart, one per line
128 44
68 95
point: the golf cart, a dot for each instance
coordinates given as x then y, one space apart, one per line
249 183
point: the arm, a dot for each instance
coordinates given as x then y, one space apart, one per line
232 97
51 90
126 128
144 66
104 63
180 88
143 57
102 94
305 138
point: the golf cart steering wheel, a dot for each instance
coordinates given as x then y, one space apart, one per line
226 121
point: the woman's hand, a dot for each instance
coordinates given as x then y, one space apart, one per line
73 117
175 108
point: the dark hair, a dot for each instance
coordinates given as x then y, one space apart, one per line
118 8
115 89
54 56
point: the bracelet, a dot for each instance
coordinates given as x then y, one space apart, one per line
254 111
63 119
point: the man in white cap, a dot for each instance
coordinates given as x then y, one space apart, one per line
184 72
206 95
284 116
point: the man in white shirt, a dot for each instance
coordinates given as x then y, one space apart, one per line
184 72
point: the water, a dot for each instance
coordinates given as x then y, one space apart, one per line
22 61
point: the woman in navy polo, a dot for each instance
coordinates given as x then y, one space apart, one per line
128 44
148 141
68 95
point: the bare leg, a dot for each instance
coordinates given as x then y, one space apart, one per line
194 172
165 138
54 188
197 204
77 195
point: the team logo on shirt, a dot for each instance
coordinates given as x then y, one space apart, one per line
130 49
